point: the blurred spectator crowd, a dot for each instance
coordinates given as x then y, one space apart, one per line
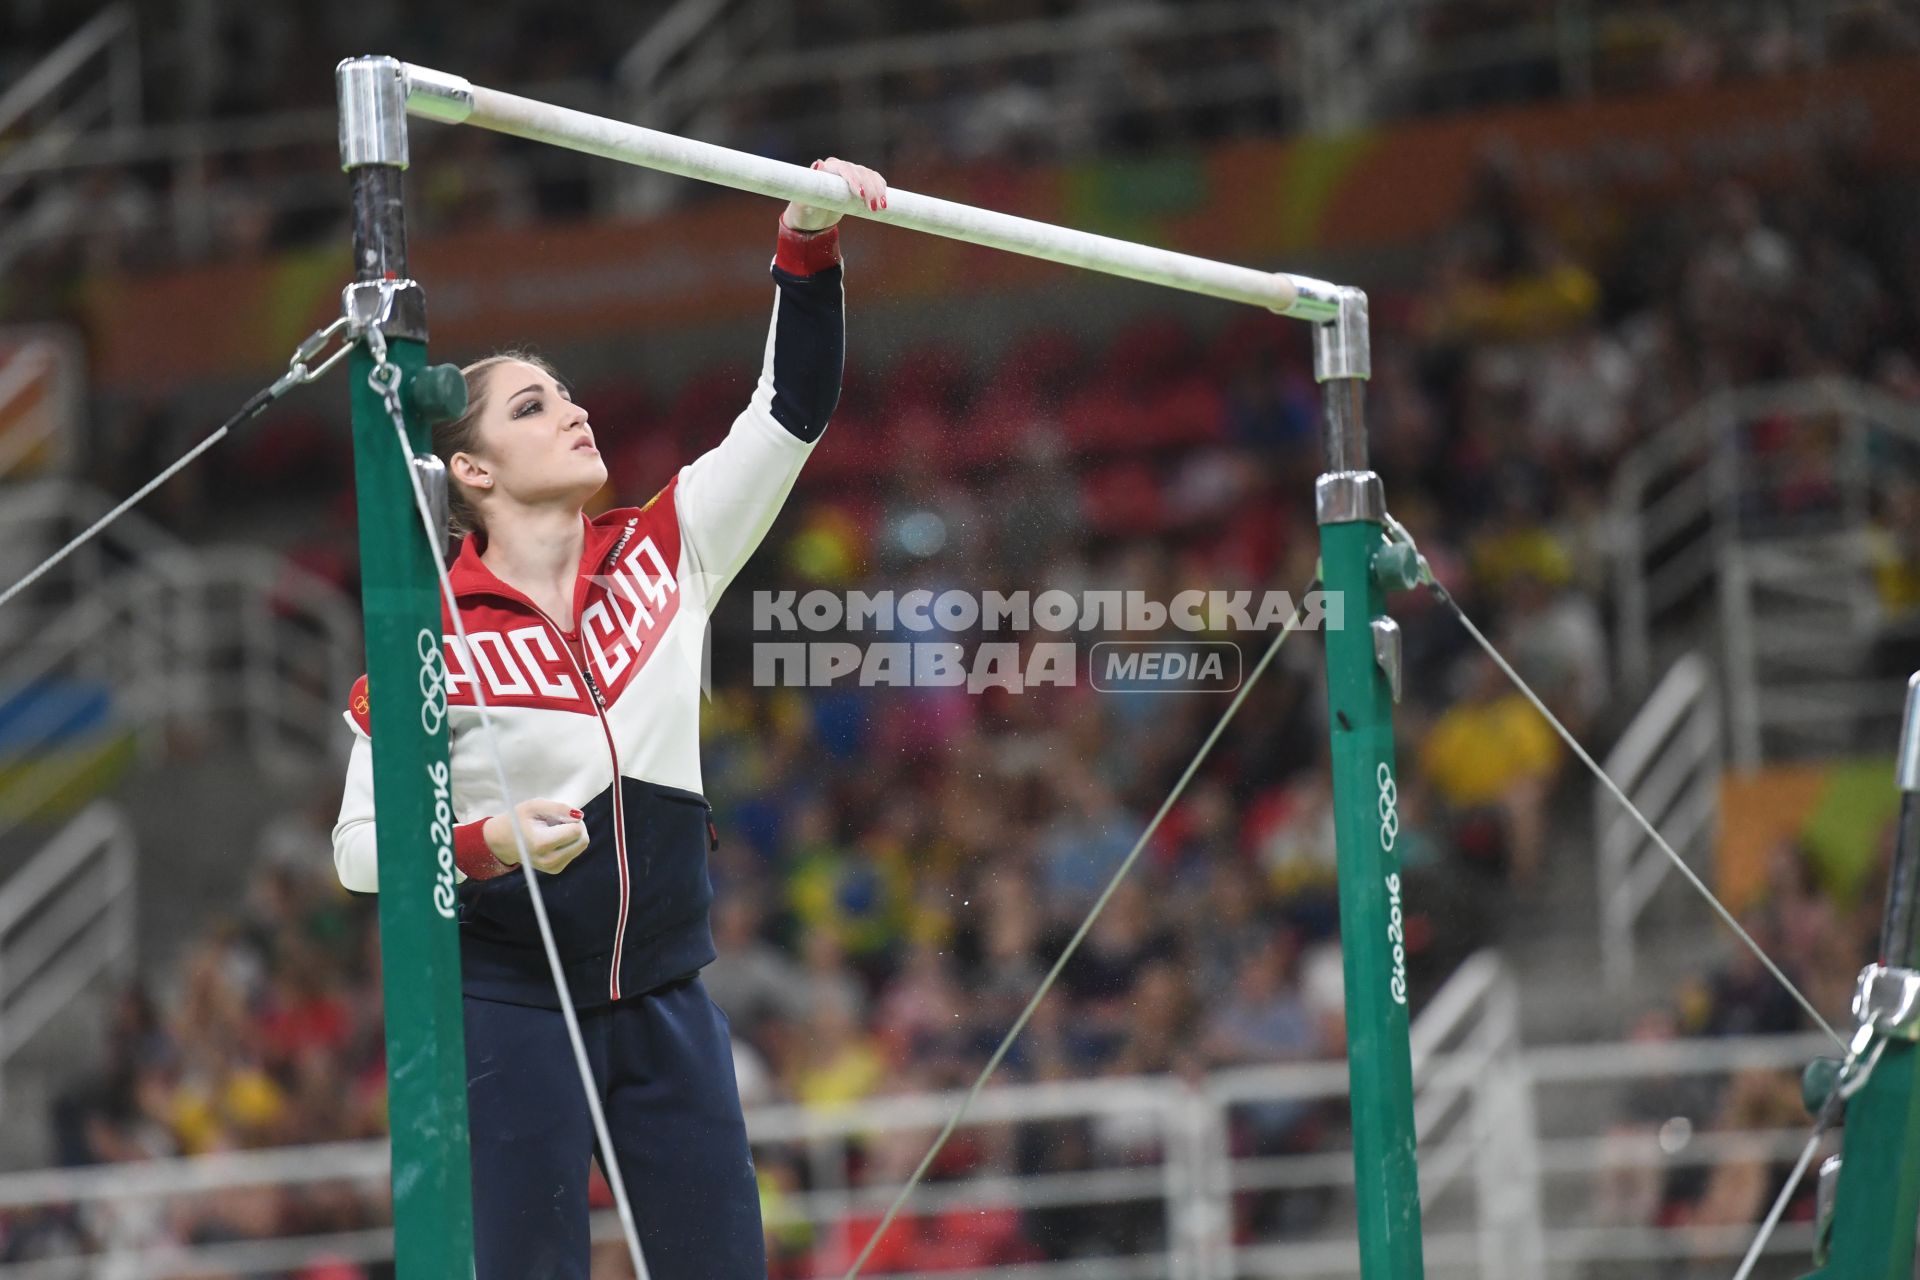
898 867
1137 80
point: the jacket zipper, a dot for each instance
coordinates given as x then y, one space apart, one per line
619 815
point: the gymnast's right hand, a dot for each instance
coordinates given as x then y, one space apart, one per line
554 832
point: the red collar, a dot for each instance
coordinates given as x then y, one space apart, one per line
470 575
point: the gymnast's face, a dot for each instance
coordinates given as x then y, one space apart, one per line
533 446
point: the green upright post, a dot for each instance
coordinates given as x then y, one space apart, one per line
1875 1204
1363 677
419 942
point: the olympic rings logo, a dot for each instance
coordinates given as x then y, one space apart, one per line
433 681
1389 808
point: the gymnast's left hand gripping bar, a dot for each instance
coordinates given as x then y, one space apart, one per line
451 99
406 678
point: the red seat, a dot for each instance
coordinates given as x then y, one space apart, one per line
921 436
1047 361
853 450
1254 338
993 431
1151 353
1188 413
1124 498
929 377
1099 420
963 1238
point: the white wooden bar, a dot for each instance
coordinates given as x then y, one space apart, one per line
436 95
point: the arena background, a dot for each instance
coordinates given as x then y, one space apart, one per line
1643 281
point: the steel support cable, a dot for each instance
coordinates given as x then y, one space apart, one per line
1073 943
1849 1084
385 381
1398 532
300 371
1653 833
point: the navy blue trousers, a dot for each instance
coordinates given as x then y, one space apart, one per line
664 1068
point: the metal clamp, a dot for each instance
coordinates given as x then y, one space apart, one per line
1386 652
1342 347
368 304
1399 535
1825 1198
364 308
437 95
1907 772
1888 1001
1342 497
431 473
300 365
373 112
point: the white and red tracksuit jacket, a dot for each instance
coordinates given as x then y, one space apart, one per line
606 717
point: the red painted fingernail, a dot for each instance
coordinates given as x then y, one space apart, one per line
575 812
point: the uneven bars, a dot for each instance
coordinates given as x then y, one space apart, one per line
451 99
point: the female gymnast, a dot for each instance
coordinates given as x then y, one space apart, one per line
587 634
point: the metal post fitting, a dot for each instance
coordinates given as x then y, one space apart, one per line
433 483
1386 652
1907 772
438 393
1342 347
1315 301
373 112
1888 1000
1340 497
1396 566
1342 362
437 95
1825 1198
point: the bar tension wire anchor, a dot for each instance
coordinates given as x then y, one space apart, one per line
364 308
440 394
1398 565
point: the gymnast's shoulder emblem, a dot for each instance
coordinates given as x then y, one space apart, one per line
359 707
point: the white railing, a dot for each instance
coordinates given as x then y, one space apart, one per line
1603 1138
101 61
1701 521
1800 620
41 384
213 642
66 917
1330 68
1159 1149
670 79
1468 1080
1580 1135
1668 762
86 88
1675 498
849 82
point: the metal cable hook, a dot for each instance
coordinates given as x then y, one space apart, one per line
364 307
